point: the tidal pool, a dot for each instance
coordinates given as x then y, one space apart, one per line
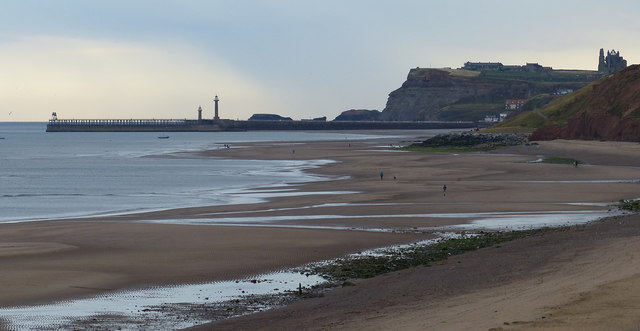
159 308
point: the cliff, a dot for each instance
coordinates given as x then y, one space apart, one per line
467 95
608 109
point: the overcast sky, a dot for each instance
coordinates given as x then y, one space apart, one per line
297 58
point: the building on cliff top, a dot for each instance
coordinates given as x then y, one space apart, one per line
612 63
477 66
480 66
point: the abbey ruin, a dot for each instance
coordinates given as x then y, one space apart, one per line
611 63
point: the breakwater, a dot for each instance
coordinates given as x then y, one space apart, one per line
176 125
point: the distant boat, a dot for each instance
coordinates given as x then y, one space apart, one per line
163 137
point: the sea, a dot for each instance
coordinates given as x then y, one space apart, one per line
74 174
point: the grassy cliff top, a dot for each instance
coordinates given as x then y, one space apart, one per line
461 72
538 77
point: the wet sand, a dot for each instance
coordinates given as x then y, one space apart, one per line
47 261
53 260
584 278
502 181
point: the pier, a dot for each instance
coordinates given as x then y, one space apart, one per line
217 124
184 125
115 125
115 122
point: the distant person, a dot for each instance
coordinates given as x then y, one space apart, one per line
575 163
381 175
444 190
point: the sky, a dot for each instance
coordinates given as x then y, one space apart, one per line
297 58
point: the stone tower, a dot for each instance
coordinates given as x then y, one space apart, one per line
612 63
601 64
215 114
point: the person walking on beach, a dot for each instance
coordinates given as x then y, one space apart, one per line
444 190
381 175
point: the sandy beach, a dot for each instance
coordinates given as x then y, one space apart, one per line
585 278
43 262
551 282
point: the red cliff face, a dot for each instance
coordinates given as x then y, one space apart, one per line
609 111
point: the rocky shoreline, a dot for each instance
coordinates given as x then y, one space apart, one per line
476 140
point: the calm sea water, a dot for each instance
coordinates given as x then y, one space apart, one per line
49 175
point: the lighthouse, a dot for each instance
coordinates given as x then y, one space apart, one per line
215 101
199 113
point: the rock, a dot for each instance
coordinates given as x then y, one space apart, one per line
476 139
359 115
269 117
